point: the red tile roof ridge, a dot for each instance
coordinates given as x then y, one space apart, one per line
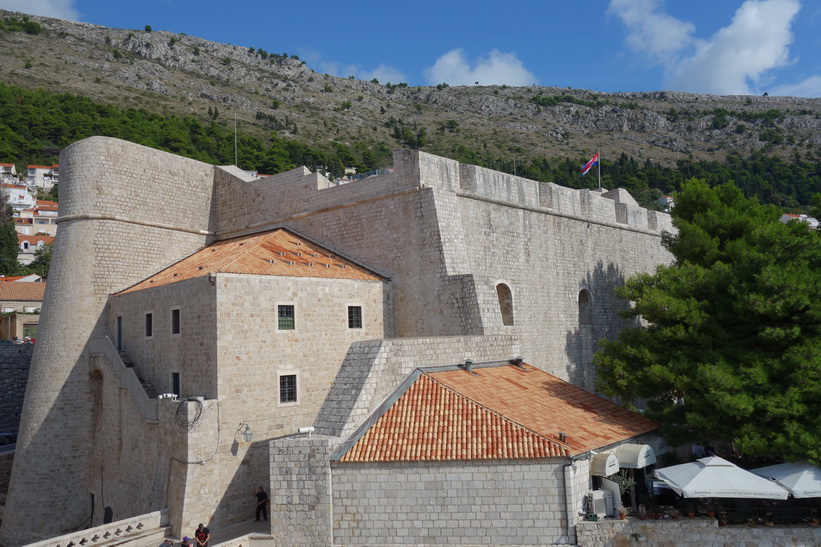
500 415
430 421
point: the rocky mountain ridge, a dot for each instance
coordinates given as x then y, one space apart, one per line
178 74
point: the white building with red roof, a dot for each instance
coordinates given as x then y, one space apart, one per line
29 245
43 176
19 196
812 222
8 173
39 219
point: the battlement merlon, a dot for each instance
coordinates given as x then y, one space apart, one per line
414 170
299 191
615 207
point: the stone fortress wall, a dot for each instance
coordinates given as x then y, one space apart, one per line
125 212
445 234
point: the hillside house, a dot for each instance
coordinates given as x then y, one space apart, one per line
43 176
40 219
8 173
29 245
19 196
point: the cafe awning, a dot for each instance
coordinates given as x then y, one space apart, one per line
635 456
604 464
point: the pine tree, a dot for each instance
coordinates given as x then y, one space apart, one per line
731 347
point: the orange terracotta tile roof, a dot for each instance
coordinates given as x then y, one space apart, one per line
500 412
22 292
34 239
277 252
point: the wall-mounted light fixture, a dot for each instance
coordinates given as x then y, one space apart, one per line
248 433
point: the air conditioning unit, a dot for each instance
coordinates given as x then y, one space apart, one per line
600 502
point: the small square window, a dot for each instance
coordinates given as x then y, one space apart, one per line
354 317
287 388
175 321
286 320
149 325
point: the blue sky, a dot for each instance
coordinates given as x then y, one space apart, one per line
703 46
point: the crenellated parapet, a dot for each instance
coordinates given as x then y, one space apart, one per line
299 192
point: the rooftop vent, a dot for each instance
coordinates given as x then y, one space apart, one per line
327 265
562 437
281 253
298 254
517 361
310 263
291 263
468 365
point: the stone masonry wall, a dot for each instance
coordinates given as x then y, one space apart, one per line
685 532
110 237
446 237
301 506
372 370
436 503
448 234
231 352
15 360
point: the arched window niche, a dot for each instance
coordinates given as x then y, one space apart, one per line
505 303
585 308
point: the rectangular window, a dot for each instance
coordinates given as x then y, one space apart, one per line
175 321
286 320
175 383
354 317
149 325
287 388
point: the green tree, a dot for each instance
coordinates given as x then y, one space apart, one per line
42 260
8 239
730 347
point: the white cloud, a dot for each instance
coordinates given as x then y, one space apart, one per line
59 9
384 74
754 43
735 60
496 68
657 35
810 87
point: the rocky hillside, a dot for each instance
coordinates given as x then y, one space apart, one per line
180 74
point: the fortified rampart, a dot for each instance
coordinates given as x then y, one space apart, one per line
468 252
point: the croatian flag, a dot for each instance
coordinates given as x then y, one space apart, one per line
587 166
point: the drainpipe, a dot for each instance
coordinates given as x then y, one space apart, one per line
568 502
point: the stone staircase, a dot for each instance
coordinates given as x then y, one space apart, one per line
149 388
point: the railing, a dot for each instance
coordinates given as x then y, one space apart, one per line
102 346
118 530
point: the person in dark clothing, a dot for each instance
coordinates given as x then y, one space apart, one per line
202 536
262 504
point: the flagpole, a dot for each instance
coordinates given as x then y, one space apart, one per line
598 167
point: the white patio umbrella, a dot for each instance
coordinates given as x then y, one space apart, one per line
715 477
801 479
